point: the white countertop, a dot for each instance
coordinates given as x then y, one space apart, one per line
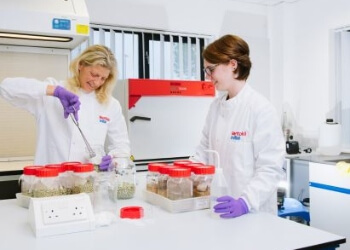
163 230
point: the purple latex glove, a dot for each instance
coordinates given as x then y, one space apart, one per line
69 100
230 207
105 164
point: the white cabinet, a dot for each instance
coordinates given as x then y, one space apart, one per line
330 200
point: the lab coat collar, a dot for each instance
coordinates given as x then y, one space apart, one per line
231 102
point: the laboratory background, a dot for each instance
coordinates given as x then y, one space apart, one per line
300 53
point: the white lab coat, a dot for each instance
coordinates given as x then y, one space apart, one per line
246 132
58 139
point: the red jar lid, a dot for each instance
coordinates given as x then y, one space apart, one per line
205 169
31 170
84 167
69 165
46 172
153 167
164 169
180 172
59 167
133 212
193 165
182 163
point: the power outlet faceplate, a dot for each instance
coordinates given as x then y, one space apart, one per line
58 211
61 214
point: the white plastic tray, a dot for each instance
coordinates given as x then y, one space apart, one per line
177 206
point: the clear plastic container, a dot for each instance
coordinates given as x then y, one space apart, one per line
218 188
67 177
152 176
27 180
163 179
202 178
61 171
103 196
179 184
84 176
126 182
46 183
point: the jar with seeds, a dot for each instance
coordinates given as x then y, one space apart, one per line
163 179
46 183
126 182
179 184
202 177
61 171
84 176
152 176
67 179
27 180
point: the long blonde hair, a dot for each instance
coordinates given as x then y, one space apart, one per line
92 56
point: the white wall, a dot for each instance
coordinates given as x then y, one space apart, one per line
301 65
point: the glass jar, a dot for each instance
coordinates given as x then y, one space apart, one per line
46 183
61 171
179 184
27 180
99 153
126 182
103 196
163 179
202 178
67 180
84 176
152 176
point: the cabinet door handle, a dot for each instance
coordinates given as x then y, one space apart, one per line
143 118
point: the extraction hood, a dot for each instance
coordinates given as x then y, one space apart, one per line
44 23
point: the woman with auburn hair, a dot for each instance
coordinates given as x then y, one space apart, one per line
243 127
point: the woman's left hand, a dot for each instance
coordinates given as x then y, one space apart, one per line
229 207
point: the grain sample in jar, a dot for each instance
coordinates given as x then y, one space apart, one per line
179 184
163 179
126 178
67 179
84 176
60 170
27 180
202 178
152 176
46 183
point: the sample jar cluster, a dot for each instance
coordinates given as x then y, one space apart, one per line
182 180
74 178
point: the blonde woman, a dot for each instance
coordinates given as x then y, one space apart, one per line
88 96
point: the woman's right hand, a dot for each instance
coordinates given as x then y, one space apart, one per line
69 100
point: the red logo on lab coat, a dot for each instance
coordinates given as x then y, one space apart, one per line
237 135
104 119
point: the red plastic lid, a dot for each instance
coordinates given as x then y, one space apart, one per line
46 172
179 172
153 167
84 167
204 169
182 163
133 212
164 169
31 170
59 167
193 165
69 165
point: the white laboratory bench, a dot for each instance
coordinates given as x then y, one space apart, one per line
159 229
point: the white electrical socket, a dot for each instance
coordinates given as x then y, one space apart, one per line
59 211
61 214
